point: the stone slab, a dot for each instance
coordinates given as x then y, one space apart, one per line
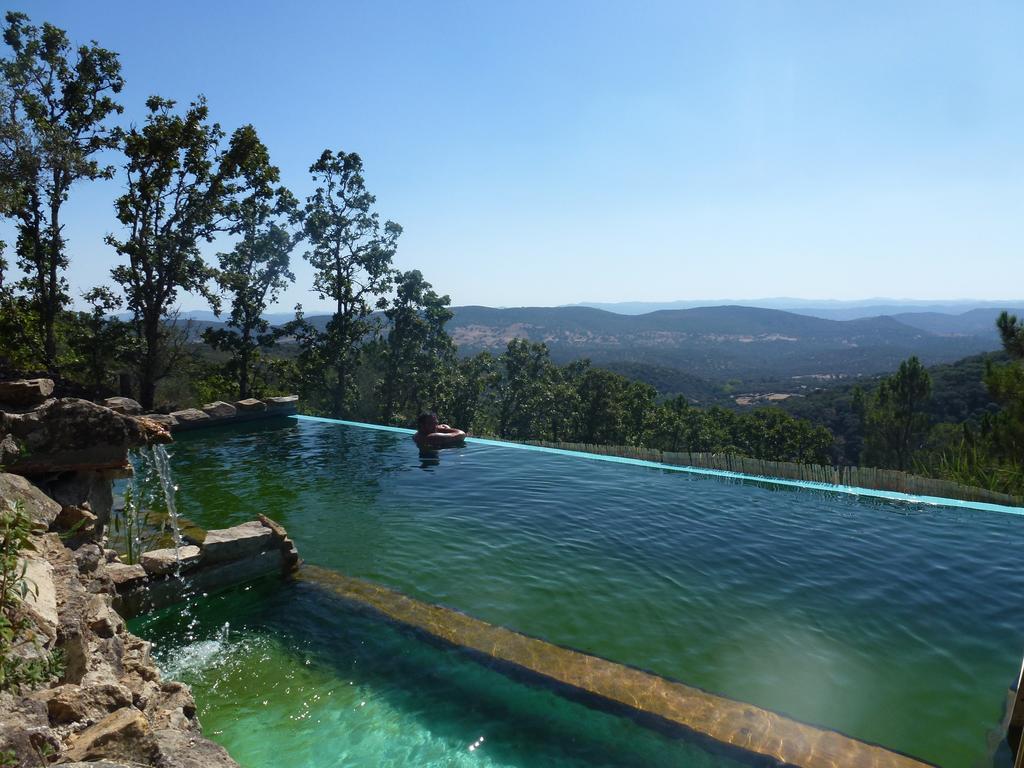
24 393
160 562
123 405
283 401
41 597
190 417
250 405
163 419
126 576
208 577
236 542
220 410
123 735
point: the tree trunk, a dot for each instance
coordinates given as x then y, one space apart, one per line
243 368
50 299
150 360
339 390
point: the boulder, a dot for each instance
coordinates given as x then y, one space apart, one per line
73 434
190 417
24 730
70 703
123 405
125 576
88 557
41 508
88 489
78 518
236 542
285 402
122 735
183 749
102 618
160 562
165 420
25 393
250 405
9 450
220 410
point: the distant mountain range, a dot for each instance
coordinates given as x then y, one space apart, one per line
726 342
696 350
829 309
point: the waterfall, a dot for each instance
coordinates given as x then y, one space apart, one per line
162 464
150 486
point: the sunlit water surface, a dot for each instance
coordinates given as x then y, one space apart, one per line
895 623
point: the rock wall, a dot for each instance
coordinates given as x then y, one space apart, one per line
211 414
107 703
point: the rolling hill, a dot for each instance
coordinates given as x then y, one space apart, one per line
715 343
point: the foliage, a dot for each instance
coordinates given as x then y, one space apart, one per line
255 272
895 422
180 186
15 624
57 103
351 254
96 342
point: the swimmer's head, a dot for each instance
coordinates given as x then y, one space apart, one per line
426 422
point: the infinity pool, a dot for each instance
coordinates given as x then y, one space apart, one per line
891 622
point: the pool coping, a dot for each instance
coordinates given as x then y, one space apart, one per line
849 490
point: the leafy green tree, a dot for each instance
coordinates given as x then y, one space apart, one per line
255 272
55 122
524 393
670 424
418 353
352 254
97 342
1005 429
180 187
896 423
470 385
602 412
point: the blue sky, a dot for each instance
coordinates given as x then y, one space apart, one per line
556 152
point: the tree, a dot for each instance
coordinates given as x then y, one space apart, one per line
602 415
352 254
54 123
670 424
896 424
524 394
470 383
180 184
418 352
97 341
1005 429
255 272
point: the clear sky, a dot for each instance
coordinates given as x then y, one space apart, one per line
555 152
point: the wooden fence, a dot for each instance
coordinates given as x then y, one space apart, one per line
861 477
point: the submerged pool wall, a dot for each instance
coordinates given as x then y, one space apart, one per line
740 729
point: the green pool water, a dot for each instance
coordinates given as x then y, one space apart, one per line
892 622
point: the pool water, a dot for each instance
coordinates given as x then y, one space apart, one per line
892 622
295 677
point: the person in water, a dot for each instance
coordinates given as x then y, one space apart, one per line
430 435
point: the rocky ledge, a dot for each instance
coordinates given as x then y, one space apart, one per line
105 704
109 701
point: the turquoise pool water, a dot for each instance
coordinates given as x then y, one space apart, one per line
892 622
